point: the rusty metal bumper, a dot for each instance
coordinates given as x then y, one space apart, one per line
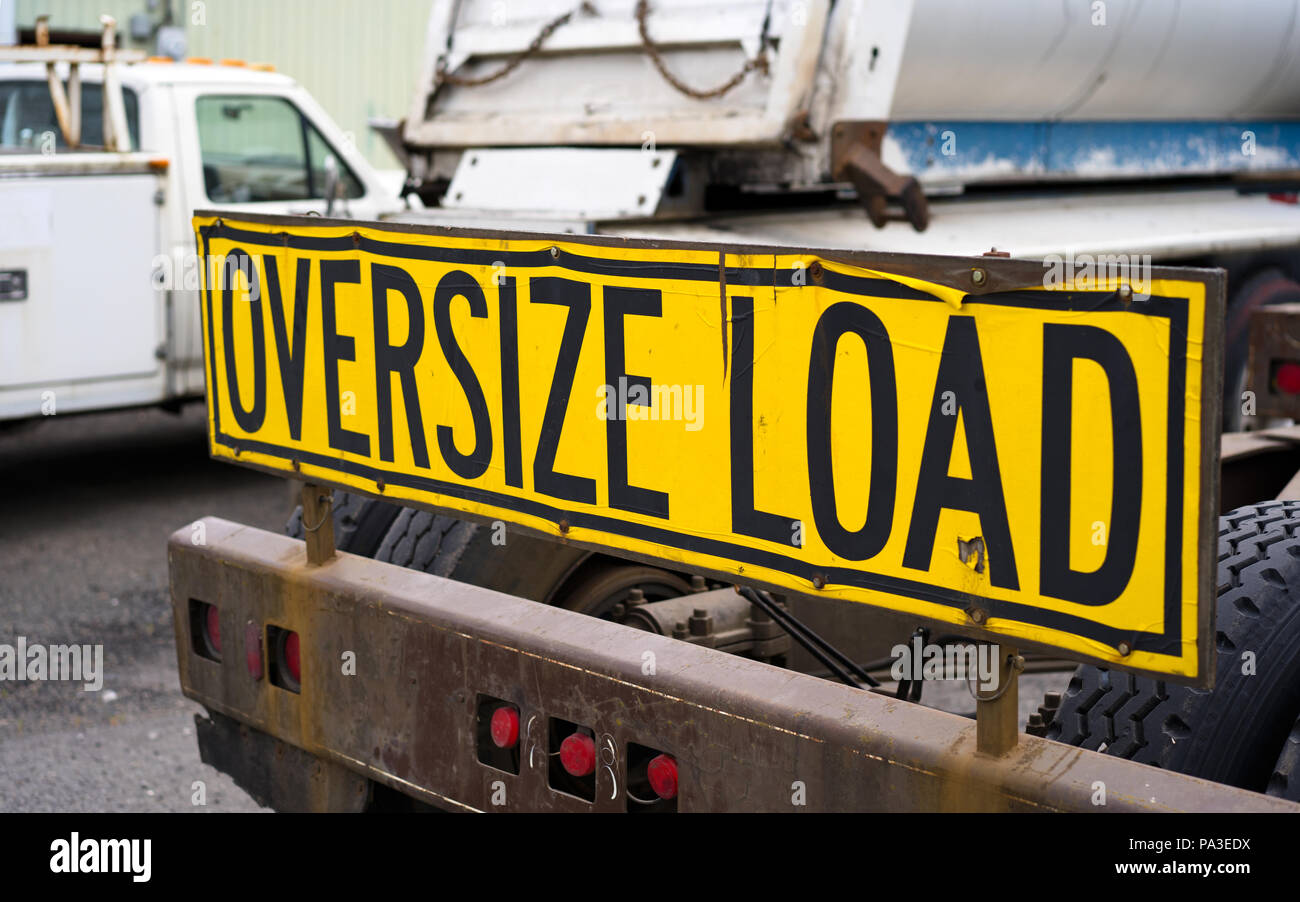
746 736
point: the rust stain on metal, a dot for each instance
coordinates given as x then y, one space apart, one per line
740 730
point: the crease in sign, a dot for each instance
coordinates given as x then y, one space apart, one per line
953 297
722 300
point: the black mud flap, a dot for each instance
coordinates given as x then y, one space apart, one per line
278 775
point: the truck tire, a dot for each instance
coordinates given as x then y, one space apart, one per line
1233 733
420 540
360 523
457 549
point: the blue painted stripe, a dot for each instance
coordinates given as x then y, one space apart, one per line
985 151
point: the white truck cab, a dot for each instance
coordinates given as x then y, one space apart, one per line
98 277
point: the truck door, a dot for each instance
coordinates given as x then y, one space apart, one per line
262 151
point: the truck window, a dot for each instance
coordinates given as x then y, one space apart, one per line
27 113
258 148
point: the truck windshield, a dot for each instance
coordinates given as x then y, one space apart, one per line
28 123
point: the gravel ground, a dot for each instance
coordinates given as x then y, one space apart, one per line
87 506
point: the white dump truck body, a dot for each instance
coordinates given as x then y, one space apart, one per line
1081 128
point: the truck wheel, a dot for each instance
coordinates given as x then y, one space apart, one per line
1233 733
445 546
605 584
524 566
360 523
419 540
493 559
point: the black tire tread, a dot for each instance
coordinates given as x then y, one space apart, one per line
1231 734
420 540
359 522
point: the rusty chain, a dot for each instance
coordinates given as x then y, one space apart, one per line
758 63
445 78
326 501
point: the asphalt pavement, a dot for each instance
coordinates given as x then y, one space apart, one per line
86 506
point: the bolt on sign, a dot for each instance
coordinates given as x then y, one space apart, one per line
945 438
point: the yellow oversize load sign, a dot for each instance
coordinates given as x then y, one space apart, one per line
1036 464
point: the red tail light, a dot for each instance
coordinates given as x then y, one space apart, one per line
578 754
291 657
505 727
212 626
1287 377
662 773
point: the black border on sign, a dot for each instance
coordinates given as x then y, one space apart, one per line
1166 642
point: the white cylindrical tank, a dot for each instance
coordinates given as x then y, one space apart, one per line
1100 59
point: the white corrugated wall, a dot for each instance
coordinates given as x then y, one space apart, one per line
359 58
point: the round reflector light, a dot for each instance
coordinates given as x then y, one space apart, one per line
662 771
505 727
1288 378
578 754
